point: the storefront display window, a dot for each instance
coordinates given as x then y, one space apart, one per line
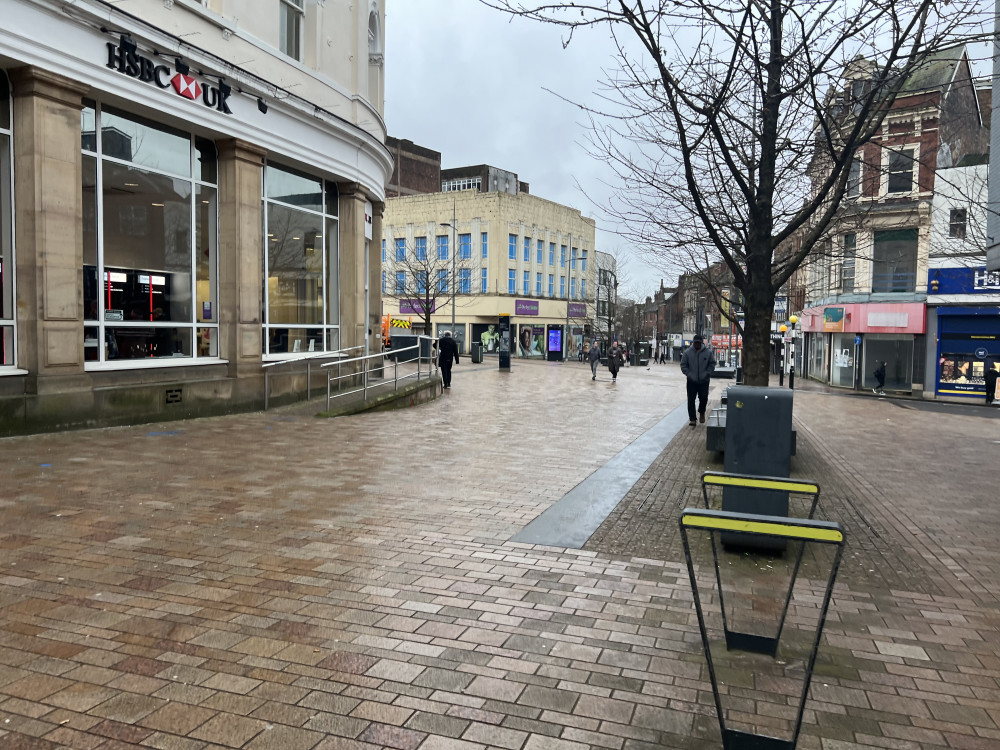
842 369
150 228
7 339
301 263
817 360
897 352
968 346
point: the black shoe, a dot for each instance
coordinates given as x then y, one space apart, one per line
692 423
701 417
594 377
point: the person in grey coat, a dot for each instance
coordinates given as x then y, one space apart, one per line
698 364
594 357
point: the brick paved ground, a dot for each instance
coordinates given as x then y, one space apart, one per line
278 581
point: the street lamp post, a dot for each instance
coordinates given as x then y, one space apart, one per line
793 319
784 358
454 251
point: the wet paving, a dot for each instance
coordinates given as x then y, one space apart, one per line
274 580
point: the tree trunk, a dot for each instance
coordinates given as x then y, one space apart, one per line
758 305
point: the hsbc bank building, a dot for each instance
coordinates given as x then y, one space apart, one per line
188 194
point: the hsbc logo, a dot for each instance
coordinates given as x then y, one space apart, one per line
125 58
186 86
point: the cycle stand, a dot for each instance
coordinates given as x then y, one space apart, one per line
771 528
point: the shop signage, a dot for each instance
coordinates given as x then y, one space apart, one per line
962 280
125 58
577 310
415 306
833 319
525 307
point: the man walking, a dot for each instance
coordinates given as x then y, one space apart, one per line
698 364
879 389
594 357
448 350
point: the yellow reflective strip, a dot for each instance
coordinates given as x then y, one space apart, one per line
764 527
767 484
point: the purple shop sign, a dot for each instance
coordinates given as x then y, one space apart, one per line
414 306
577 310
525 307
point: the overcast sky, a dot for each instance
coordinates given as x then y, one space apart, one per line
475 85
468 82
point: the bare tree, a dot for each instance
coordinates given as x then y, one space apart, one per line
429 278
717 111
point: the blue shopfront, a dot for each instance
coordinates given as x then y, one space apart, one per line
963 307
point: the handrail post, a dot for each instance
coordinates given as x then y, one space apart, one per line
309 380
395 374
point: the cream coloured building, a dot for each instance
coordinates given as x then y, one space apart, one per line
494 253
188 192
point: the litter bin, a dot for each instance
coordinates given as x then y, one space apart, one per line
477 353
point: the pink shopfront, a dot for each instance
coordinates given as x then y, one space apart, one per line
844 343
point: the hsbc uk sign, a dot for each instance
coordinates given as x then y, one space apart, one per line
125 58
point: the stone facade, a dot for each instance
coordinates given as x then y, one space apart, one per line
131 61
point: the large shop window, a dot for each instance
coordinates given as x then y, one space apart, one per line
301 263
7 338
150 239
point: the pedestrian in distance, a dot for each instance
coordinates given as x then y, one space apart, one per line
879 374
447 352
615 360
697 364
594 357
990 378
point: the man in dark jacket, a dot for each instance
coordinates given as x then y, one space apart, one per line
447 351
698 364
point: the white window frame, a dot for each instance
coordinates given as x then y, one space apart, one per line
291 9
194 325
7 209
328 262
887 154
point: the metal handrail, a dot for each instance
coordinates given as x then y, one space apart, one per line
307 358
366 370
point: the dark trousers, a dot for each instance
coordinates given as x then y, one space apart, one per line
446 374
701 391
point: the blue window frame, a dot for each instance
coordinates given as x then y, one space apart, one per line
464 246
525 283
583 289
572 260
512 246
383 251
572 288
511 281
562 287
400 249
443 281
464 280
400 282
562 256
420 248
552 253
527 249
538 285
486 246
482 281
539 251
442 245
420 279
383 273
583 263
550 284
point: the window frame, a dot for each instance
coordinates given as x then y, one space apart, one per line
331 331
511 281
958 223
892 172
291 10
96 331
8 290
